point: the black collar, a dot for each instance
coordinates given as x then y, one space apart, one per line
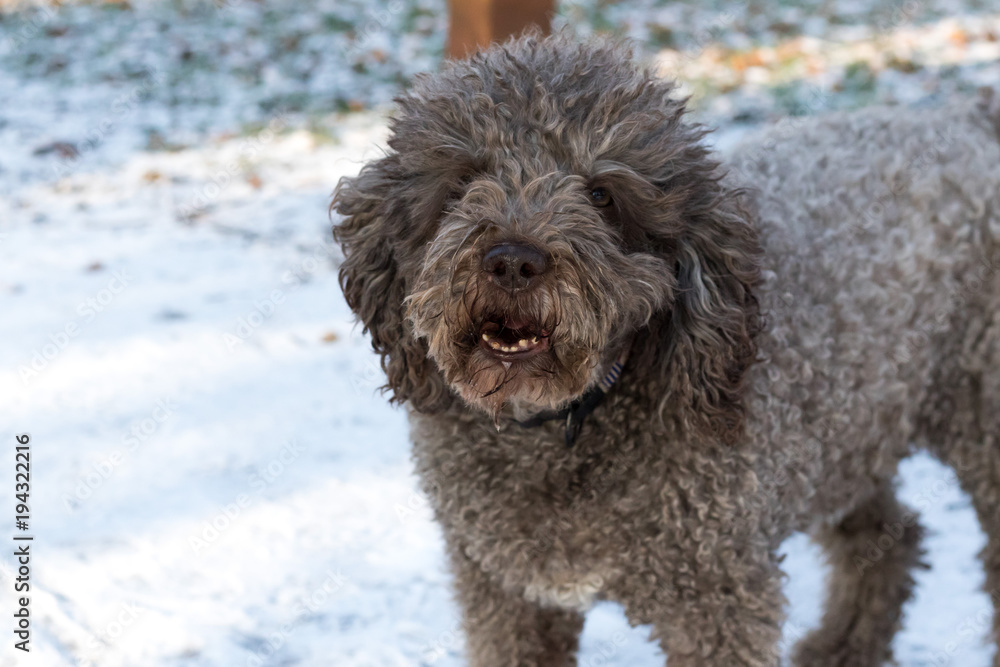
574 413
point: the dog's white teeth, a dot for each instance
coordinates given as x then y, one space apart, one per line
519 346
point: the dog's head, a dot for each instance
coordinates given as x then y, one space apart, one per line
540 205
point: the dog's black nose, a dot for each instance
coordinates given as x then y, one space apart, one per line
514 266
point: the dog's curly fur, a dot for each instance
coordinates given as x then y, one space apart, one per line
797 321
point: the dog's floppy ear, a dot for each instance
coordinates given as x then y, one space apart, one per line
380 215
711 328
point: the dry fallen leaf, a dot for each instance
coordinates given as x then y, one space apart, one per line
743 61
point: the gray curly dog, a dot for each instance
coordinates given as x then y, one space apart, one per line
632 371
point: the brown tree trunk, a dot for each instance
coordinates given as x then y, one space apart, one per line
477 23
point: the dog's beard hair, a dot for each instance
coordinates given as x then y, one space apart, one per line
546 380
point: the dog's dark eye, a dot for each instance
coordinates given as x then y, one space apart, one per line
600 197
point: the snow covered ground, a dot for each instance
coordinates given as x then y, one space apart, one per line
216 480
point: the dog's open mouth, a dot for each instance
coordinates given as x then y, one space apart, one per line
511 340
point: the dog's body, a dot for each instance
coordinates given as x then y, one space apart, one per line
494 291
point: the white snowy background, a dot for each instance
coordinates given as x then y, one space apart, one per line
215 477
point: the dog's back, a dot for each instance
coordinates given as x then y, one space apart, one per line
881 238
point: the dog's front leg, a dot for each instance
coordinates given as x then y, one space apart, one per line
718 606
726 618
503 629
